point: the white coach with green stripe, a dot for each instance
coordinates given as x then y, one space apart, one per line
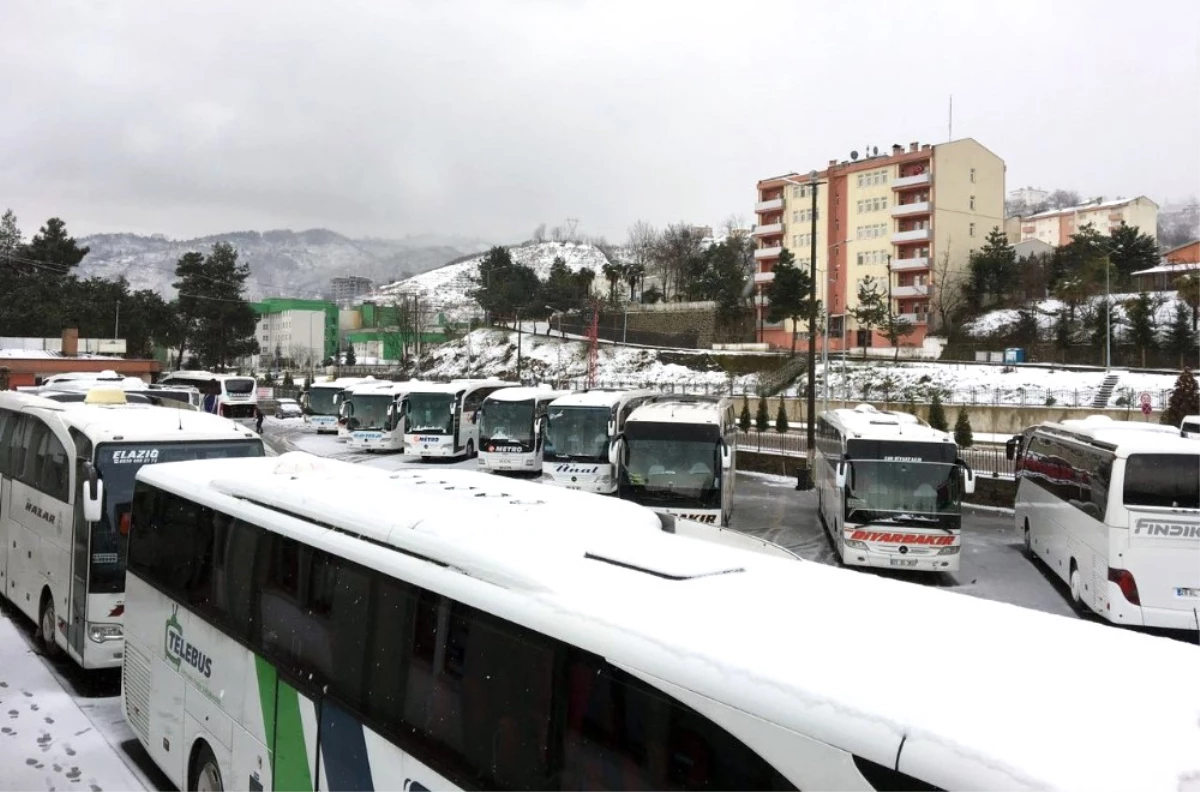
301 624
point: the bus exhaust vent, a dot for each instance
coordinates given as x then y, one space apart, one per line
137 690
674 569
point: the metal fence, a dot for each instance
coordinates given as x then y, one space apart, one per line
987 460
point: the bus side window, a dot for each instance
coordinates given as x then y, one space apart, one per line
31 451
54 476
8 422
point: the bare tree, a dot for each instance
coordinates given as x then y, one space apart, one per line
674 254
1062 199
558 234
734 223
539 233
949 291
639 250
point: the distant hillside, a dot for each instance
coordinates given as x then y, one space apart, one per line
448 288
282 263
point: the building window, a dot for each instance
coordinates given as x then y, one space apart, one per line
971 230
972 203
862 259
972 175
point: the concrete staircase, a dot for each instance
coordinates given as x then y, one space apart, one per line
1105 392
775 381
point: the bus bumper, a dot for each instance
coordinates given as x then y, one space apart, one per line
106 654
600 484
432 446
373 441
1118 610
516 463
878 559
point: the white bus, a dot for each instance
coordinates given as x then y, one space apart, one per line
678 454
227 395
497 636
580 430
375 414
66 483
890 489
511 421
1113 508
443 419
322 402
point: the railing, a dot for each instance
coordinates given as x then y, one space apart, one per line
990 460
899 264
771 229
768 205
912 235
768 252
910 181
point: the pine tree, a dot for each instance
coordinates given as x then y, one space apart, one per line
744 420
781 421
1143 329
762 419
1184 401
962 430
937 415
351 358
288 382
1180 338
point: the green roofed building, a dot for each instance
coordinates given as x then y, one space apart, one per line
302 332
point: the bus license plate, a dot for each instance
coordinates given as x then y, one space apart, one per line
904 562
1187 592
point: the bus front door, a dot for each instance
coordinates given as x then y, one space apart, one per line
81 535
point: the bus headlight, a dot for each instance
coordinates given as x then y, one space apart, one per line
105 632
949 550
856 544
604 479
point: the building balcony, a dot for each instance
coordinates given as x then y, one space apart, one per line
772 229
773 205
904 182
915 318
916 235
764 277
907 264
915 290
762 300
904 210
768 252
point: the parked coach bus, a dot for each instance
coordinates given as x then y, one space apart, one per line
496 635
1113 508
376 414
443 419
66 483
511 429
580 430
322 402
678 454
890 490
227 395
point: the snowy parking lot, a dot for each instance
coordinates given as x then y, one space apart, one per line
64 729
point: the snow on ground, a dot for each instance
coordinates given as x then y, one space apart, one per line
47 741
1046 311
448 288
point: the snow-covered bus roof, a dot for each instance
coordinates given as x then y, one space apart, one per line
203 375
342 383
130 423
599 397
753 632
1124 437
454 386
689 411
867 422
383 387
525 393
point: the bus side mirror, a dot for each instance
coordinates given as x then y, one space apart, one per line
390 423
839 476
1010 448
612 427
968 478
726 456
93 494
615 448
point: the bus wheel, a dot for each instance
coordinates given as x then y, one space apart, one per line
1076 582
470 449
206 773
46 625
1028 538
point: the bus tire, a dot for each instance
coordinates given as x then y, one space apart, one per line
1076 584
1028 540
46 624
470 449
204 775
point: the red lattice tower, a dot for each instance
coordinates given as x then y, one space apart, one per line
593 344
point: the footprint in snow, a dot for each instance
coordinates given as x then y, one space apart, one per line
13 713
34 707
48 719
69 750
73 774
8 731
31 762
27 694
45 738
96 788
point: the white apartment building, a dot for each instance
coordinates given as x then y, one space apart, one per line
1056 226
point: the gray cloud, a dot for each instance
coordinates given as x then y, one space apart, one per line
491 117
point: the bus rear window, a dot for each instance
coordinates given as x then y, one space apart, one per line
1165 480
239 386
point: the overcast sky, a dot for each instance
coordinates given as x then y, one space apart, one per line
485 119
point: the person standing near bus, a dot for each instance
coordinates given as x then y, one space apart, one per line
258 419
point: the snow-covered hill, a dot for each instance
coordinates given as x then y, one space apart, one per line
1046 311
282 263
448 288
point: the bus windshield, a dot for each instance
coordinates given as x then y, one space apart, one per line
673 464
431 413
240 386
577 434
881 491
118 464
507 420
321 401
367 412
1165 480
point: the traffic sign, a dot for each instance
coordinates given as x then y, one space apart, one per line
1145 408
1145 398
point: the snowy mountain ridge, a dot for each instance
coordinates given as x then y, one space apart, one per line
282 262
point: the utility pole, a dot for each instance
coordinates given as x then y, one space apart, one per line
117 322
810 433
518 345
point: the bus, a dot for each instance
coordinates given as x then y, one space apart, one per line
510 429
322 402
580 429
375 414
494 635
66 483
678 454
227 395
889 490
443 419
1113 509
